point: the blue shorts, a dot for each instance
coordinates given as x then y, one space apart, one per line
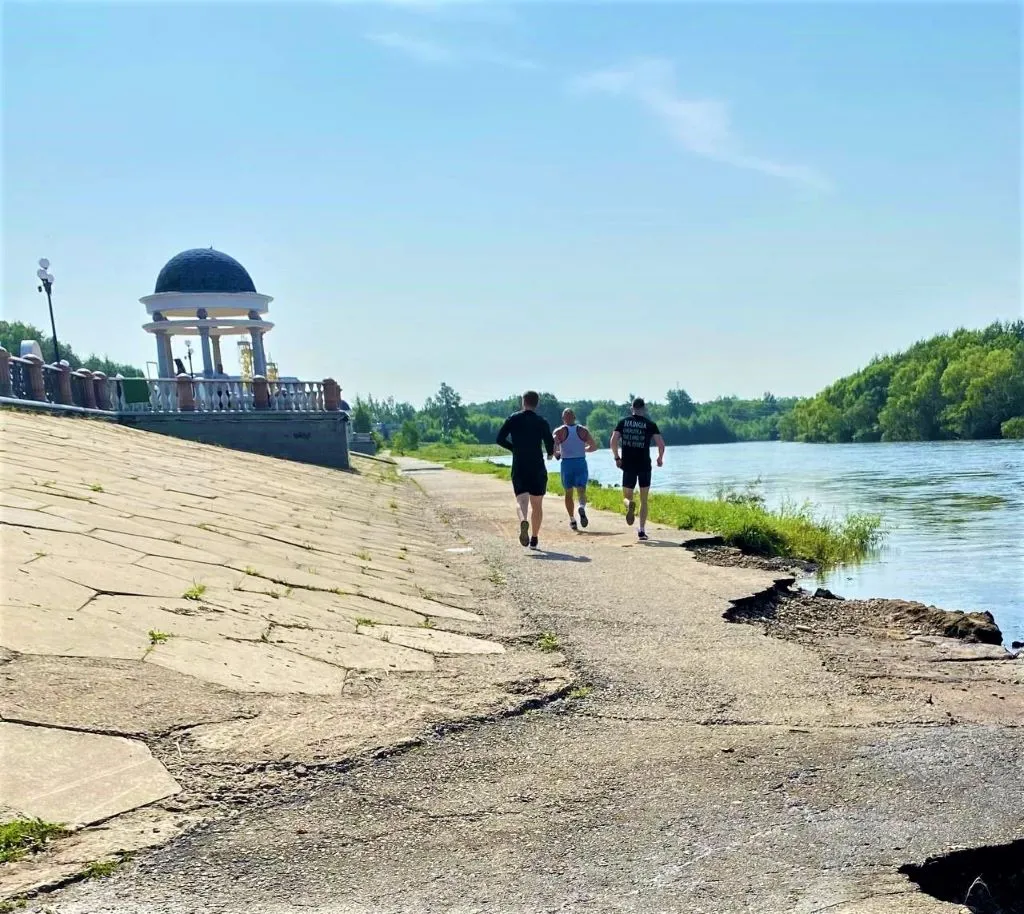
574 473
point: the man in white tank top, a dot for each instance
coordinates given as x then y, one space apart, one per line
572 444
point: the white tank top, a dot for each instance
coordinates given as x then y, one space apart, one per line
573 446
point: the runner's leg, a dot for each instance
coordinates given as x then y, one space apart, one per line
643 507
536 513
569 506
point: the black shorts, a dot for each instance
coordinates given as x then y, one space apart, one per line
530 482
636 476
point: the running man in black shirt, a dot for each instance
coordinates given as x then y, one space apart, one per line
529 474
635 433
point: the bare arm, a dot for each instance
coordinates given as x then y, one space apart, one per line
549 442
616 438
560 436
589 444
503 439
658 440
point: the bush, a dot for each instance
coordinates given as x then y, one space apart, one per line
1013 428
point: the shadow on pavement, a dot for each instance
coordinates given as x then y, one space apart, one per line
559 557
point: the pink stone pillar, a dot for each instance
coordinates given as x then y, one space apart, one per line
186 396
35 377
102 391
260 392
88 388
64 383
6 388
332 395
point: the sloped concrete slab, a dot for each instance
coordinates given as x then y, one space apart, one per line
352 607
211 575
147 545
249 667
111 577
19 517
431 639
77 778
177 618
352 651
291 577
36 630
73 545
31 585
418 604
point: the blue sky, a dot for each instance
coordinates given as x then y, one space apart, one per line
588 199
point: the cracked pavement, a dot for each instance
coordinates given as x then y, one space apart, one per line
698 766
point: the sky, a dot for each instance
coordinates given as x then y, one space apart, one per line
589 199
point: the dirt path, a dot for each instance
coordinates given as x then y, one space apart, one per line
709 768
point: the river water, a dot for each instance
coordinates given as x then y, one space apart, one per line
953 511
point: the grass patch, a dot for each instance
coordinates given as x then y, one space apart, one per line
100 869
363 555
580 692
13 904
251 571
740 518
95 487
26 836
365 620
427 623
548 642
439 452
157 637
195 592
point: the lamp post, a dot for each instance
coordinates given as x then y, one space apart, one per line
46 280
188 349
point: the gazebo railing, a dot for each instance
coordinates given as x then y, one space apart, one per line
29 379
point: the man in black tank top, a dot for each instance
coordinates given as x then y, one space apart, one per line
525 434
635 433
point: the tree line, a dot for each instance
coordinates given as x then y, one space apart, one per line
12 333
968 384
445 417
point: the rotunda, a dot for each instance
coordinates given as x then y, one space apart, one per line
206 293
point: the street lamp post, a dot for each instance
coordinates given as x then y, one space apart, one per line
188 349
46 280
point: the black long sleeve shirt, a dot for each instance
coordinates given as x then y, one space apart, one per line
529 432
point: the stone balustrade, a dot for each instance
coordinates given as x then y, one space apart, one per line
29 379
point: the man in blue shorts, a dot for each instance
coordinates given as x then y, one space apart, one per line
572 444
635 433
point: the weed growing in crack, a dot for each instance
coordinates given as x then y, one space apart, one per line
100 869
496 577
427 623
363 555
338 592
195 592
95 487
581 691
40 554
26 836
548 642
365 620
13 904
158 637
386 636
250 570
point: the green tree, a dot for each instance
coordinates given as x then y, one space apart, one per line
446 407
601 422
362 418
680 404
13 332
1013 428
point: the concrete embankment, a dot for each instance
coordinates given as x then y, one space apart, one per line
184 627
697 764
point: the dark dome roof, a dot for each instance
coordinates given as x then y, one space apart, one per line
203 270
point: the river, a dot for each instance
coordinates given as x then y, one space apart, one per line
953 511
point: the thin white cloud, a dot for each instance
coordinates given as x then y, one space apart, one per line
701 126
432 52
419 49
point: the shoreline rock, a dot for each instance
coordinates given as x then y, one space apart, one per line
825 613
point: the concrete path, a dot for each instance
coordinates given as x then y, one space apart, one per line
699 766
182 626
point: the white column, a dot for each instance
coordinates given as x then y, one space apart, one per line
165 345
217 359
259 358
204 341
163 370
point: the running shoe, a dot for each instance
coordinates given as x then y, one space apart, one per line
524 533
572 524
641 535
630 513
583 516
533 542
